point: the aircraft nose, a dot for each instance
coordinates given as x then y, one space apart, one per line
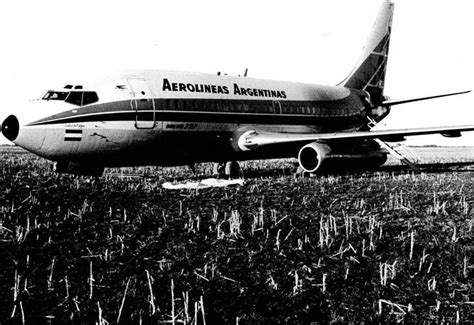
11 128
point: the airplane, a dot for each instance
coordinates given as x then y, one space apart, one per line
166 118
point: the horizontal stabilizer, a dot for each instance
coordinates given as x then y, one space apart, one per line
393 102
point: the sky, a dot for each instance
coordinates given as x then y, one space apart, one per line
45 43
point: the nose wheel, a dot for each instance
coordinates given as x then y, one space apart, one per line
229 169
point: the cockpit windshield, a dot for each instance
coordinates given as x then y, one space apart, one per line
79 98
55 95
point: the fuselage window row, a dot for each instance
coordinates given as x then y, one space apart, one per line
255 108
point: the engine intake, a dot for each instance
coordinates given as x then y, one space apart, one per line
311 157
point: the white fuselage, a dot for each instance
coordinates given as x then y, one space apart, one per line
174 118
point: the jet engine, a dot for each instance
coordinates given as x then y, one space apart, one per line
311 157
317 156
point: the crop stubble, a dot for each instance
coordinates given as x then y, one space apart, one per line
358 247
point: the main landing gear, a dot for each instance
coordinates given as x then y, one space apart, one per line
230 169
300 172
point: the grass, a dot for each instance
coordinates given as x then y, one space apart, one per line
372 247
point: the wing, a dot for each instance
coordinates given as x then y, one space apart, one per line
254 139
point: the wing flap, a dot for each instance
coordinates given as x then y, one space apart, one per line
254 139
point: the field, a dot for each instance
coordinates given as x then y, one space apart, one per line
386 246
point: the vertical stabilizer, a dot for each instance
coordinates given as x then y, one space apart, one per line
369 73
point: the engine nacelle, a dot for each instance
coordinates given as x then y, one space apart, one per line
69 167
318 156
311 157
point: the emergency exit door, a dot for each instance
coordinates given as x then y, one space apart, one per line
142 103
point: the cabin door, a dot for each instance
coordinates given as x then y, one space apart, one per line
142 103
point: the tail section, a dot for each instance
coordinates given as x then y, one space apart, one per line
369 73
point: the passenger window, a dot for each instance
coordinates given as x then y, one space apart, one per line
291 109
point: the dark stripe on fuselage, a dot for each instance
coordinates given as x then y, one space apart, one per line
205 117
218 111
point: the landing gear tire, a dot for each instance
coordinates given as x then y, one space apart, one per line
230 169
219 170
300 172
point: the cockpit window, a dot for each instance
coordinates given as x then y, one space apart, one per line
75 97
82 98
79 98
55 95
89 98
